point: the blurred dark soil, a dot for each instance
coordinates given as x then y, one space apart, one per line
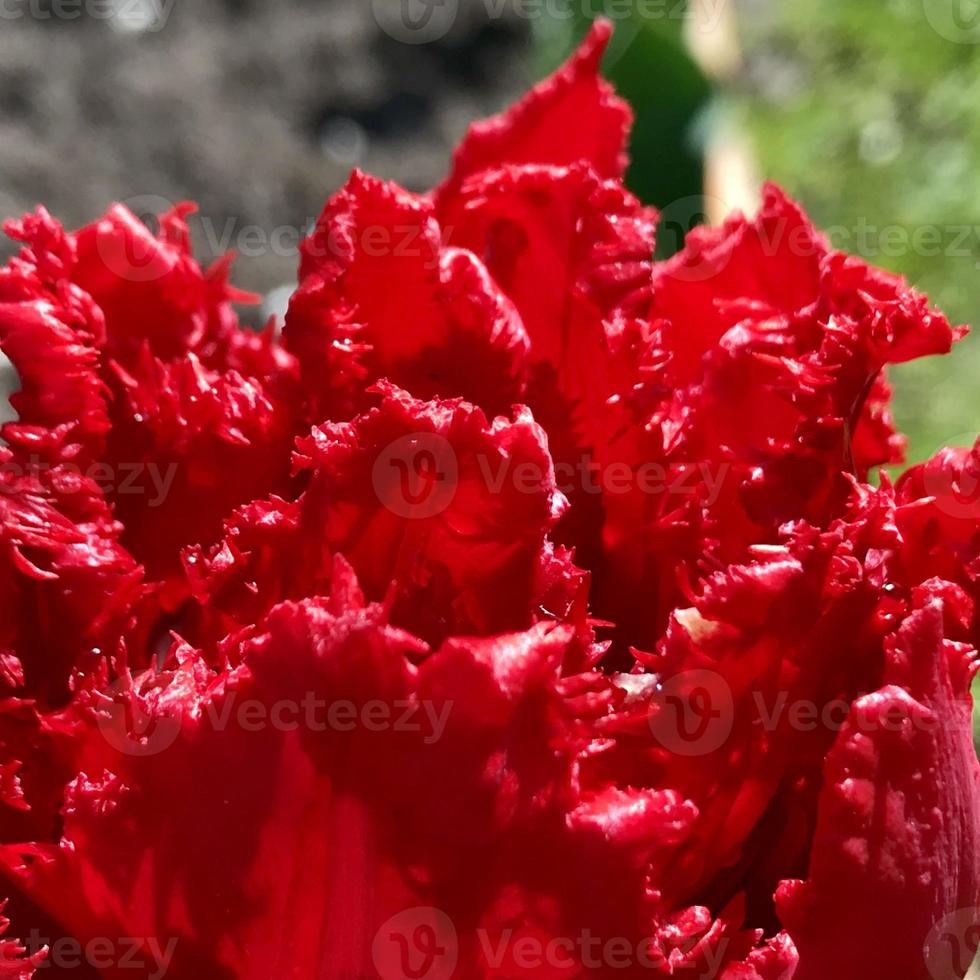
255 109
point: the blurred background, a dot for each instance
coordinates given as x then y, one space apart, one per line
868 113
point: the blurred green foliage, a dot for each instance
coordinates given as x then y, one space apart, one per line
653 70
865 112
869 115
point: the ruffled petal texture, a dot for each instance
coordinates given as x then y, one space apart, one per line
572 117
524 609
465 338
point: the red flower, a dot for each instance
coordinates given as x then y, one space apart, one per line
523 612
